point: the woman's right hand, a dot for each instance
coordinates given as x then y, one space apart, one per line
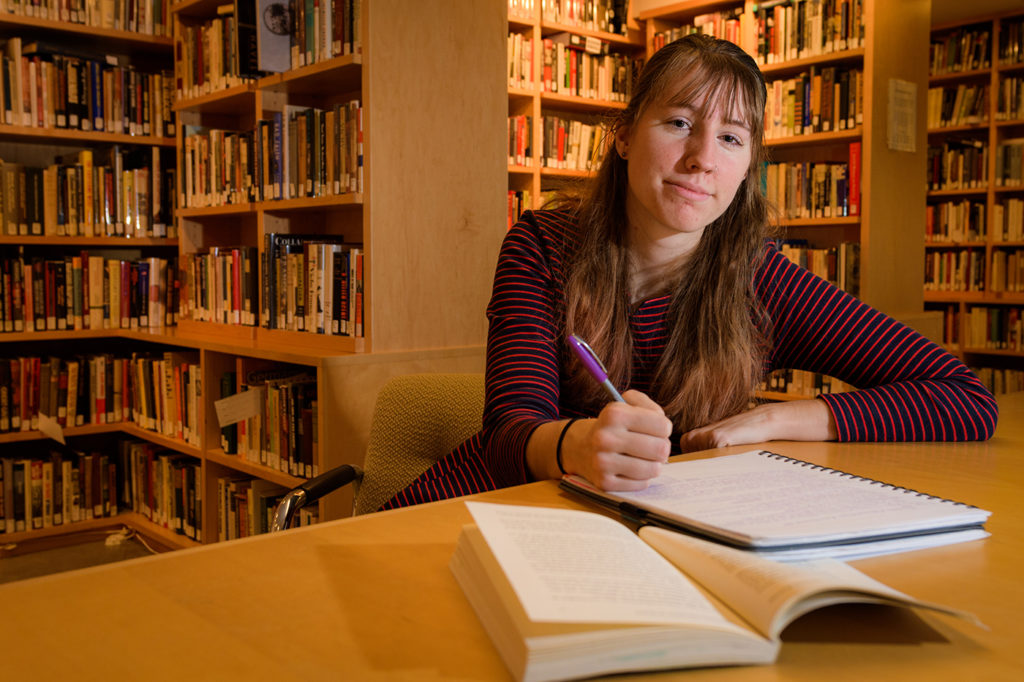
623 448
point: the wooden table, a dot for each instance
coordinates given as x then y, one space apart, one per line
371 598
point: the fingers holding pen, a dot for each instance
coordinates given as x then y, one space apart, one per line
625 446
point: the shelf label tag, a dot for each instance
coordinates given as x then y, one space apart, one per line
50 427
239 406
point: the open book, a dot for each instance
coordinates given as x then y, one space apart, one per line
565 594
788 509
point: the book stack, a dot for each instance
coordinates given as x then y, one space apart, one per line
245 507
790 29
280 431
137 16
995 328
838 265
49 86
809 190
86 292
597 15
963 49
960 163
163 486
220 286
313 283
585 67
104 193
819 100
573 143
164 391
954 270
955 221
727 24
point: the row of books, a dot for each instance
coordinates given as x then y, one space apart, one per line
954 270
1000 380
839 265
811 189
1008 220
520 140
950 322
54 489
1011 41
585 67
520 62
1007 270
957 105
995 328
279 430
962 49
801 383
796 29
518 201
597 15
49 86
728 24
217 53
955 221
220 286
815 101
573 144
162 485
86 292
136 16
159 392
1010 163
958 164
1010 99
303 32
106 192
245 506
300 152
312 283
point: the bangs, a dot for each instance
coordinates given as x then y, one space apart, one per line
705 87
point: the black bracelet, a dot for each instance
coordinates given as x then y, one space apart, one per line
558 448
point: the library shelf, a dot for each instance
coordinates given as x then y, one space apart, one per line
229 101
34 134
819 222
632 39
793 66
43 537
338 74
573 103
110 38
239 463
125 242
816 139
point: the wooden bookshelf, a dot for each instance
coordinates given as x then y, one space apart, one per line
533 100
964 329
427 220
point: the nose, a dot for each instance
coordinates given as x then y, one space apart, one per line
699 153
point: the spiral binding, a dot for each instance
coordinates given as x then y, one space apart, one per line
854 477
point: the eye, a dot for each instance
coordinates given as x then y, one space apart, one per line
736 140
679 123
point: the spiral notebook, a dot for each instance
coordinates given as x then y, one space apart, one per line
788 509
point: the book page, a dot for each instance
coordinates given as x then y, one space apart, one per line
575 566
769 595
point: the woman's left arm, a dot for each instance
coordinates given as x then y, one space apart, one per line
910 388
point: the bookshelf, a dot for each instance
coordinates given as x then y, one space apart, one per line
548 44
973 232
424 219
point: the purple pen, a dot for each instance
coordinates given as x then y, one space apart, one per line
594 365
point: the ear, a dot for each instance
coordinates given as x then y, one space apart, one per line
622 141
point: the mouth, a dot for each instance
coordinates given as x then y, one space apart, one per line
688 190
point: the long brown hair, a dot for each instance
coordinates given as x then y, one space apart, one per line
715 350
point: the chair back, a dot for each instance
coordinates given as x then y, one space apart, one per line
417 420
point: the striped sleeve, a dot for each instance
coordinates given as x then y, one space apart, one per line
910 388
522 355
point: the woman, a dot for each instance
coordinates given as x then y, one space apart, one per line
665 267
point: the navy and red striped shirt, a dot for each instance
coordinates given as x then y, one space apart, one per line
909 388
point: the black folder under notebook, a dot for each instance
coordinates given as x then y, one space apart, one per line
789 509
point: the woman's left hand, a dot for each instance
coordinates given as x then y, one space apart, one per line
793 420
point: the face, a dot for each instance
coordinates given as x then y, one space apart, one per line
685 164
